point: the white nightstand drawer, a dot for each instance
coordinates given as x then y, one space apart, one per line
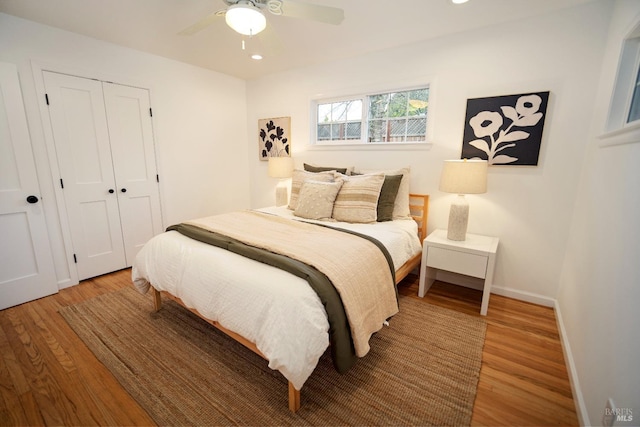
457 262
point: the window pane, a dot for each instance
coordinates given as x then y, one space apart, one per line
398 104
418 102
397 127
324 113
417 127
339 111
377 130
378 106
634 111
354 130
324 132
335 131
354 111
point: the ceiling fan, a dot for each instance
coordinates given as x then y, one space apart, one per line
247 17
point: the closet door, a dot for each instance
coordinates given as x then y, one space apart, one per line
132 149
26 266
81 136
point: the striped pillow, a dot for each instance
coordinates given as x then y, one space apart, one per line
357 200
401 205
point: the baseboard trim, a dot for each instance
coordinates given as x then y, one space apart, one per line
578 398
524 296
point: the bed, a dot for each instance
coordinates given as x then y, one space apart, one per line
271 263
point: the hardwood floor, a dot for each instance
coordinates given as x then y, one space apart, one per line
49 377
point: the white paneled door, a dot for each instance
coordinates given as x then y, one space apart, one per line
104 147
26 265
134 164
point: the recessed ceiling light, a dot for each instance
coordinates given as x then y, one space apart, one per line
459 1
256 56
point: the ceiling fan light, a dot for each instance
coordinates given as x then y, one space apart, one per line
245 19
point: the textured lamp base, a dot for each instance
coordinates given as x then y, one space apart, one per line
458 219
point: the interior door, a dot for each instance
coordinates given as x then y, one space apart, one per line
132 149
26 265
79 125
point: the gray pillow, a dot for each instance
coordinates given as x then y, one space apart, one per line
387 198
316 169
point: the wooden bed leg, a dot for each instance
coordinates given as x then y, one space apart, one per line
157 299
294 398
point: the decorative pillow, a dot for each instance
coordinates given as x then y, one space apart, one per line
401 204
311 168
316 198
357 200
387 198
299 177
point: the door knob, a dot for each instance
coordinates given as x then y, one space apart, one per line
111 191
32 199
124 190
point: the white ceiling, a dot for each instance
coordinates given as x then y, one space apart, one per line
369 25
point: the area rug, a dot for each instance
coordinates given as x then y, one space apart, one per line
422 369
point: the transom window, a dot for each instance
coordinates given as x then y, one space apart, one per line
634 108
389 117
625 104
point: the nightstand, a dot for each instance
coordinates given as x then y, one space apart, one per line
475 257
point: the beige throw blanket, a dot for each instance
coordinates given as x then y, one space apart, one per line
355 266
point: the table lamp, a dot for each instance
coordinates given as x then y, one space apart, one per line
282 168
462 177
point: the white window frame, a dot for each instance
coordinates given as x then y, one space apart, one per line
363 141
617 128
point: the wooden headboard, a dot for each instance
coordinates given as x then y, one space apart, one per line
419 207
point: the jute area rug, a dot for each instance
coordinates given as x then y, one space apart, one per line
422 370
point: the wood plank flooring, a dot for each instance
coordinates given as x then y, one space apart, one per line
49 377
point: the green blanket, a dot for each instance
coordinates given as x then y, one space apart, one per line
342 349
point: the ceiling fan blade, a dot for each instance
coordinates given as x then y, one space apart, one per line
326 14
203 23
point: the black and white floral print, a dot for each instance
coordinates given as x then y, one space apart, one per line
505 130
273 137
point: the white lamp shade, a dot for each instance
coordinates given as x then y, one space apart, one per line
464 176
280 167
245 19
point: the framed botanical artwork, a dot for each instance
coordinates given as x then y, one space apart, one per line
505 130
274 137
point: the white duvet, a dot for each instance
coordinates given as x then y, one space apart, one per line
276 310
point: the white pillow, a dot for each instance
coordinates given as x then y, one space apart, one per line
357 200
299 176
316 198
401 205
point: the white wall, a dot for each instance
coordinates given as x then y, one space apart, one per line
529 208
599 293
199 120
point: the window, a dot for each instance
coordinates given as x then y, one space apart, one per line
634 109
389 117
338 121
625 102
623 123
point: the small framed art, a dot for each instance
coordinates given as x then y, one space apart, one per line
274 137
